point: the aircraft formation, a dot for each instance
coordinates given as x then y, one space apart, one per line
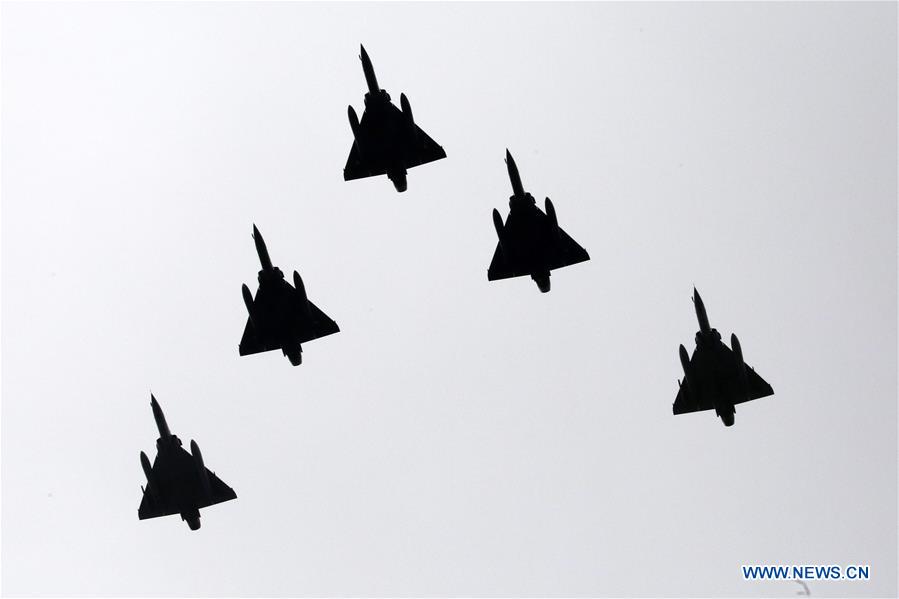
387 141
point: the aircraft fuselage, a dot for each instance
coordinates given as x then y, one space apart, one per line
716 366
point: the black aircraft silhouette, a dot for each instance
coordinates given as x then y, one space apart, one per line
178 482
531 242
387 140
716 377
281 316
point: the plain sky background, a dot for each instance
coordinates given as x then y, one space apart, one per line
457 437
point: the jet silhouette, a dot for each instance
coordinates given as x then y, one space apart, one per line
281 316
387 140
531 242
178 482
716 377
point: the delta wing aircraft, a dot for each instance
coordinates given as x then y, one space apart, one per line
178 482
716 376
386 140
530 242
281 316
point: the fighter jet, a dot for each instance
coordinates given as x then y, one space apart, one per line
715 376
530 242
386 140
281 316
178 482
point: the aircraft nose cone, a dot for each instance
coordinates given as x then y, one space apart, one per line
363 56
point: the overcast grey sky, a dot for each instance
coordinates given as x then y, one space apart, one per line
457 437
